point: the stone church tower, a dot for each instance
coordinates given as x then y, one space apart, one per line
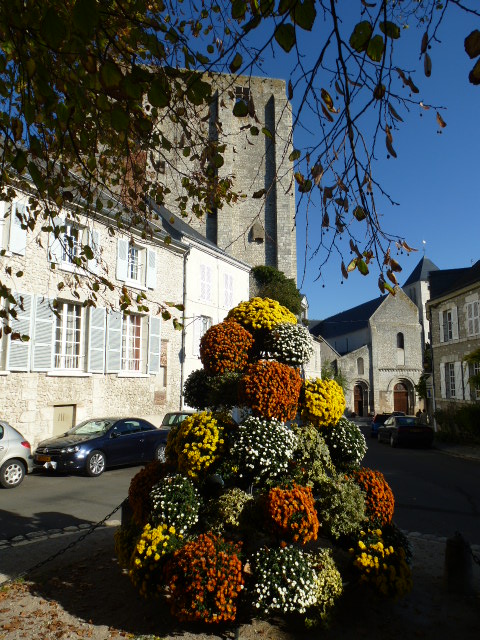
261 230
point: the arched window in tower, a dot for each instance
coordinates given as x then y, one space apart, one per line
400 349
360 367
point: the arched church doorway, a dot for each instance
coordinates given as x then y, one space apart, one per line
400 397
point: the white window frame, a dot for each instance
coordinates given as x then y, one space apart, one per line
136 265
448 320
129 362
450 389
64 360
473 318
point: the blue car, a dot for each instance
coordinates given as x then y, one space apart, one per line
94 445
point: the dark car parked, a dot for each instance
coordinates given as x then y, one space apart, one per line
379 419
398 430
94 445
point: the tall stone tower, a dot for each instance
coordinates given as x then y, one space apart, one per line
261 230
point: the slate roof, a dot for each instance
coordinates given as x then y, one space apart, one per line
421 271
449 280
346 321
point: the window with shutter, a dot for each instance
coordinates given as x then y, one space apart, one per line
43 334
205 283
96 340
18 234
228 290
18 351
473 318
114 341
154 344
151 275
132 343
69 336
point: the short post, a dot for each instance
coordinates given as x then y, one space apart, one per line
458 574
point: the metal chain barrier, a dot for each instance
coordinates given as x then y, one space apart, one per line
64 550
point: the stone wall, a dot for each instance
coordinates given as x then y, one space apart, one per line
255 162
27 399
456 349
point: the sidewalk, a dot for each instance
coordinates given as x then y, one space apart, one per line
84 594
458 450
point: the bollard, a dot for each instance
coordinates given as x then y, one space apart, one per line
458 573
127 513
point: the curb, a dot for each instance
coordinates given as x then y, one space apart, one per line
38 536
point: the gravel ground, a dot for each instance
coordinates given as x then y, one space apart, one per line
84 594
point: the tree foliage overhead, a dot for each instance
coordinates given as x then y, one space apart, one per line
89 90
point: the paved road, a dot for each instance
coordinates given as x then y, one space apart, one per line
435 493
49 501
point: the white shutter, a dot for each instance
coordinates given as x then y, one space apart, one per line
96 340
443 388
454 323
440 324
114 341
122 259
466 384
18 352
476 318
457 368
18 236
154 344
55 248
469 318
228 290
44 325
205 283
151 270
93 241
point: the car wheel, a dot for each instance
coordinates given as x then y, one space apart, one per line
160 453
393 442
95 464
12 473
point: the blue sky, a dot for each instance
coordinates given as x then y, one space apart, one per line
435 178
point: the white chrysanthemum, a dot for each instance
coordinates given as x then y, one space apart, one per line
291 344
284 580
262 448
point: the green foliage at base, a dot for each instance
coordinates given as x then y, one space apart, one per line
459 424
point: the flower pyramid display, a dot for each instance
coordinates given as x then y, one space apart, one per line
271 514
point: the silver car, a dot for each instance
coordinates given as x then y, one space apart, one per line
15 456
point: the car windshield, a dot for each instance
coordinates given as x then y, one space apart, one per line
173 418
407 422
90 427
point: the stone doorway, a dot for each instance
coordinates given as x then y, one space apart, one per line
360 399
400 397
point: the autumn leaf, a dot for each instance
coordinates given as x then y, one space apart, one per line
440 121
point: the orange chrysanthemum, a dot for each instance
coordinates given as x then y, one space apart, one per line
292 513
271 389
225 347
379 499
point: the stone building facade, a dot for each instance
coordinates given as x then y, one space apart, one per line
454 314
82 362
377 346
260 230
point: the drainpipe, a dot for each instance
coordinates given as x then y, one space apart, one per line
182 357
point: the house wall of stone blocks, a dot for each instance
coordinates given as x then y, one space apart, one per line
42 393
258 231
452 339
